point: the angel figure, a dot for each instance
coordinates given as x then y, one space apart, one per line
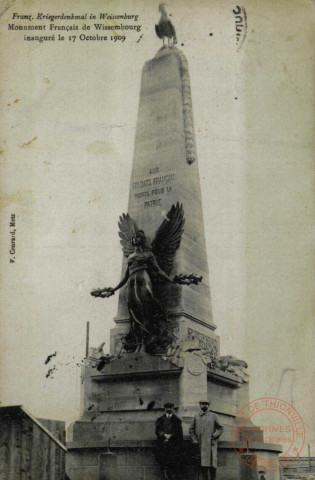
148 322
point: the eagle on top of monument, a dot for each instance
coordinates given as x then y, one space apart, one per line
165 28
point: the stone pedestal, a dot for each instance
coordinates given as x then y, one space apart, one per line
115 436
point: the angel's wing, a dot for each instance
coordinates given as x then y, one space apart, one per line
167 238
127 228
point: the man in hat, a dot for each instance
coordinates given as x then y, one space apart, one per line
204 432
169 434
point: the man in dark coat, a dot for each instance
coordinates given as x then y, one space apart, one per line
205 431
169 434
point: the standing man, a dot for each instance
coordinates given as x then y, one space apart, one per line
169 434
205 431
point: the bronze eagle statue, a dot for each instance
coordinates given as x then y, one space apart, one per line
165 27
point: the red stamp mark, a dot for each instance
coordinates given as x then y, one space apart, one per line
267 420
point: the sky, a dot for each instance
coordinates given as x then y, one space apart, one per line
69 113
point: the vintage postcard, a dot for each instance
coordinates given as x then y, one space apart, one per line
189 124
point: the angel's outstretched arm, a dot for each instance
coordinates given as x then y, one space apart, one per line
123 281
108 291
159 271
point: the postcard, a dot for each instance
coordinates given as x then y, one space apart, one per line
93 134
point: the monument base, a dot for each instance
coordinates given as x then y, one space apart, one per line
140 463
115 437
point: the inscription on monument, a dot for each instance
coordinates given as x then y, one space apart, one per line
157 185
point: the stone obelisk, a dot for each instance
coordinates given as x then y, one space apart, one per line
165 171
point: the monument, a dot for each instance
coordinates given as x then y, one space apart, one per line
164 347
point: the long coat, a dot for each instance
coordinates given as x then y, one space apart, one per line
204 428
169 450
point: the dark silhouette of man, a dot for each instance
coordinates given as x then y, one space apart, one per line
205 431
169 434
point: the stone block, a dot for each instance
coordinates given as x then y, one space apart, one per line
112 458
142 457
125 431
229 473
82 458
90 459
121 473
134 364
137 387
223 399
134 394
87 431
153 473
136 402
83 473
73 457
228 458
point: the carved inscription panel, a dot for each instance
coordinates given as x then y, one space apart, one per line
153 187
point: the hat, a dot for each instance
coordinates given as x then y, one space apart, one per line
204 401
168 405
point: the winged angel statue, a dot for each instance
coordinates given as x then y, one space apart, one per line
146 266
